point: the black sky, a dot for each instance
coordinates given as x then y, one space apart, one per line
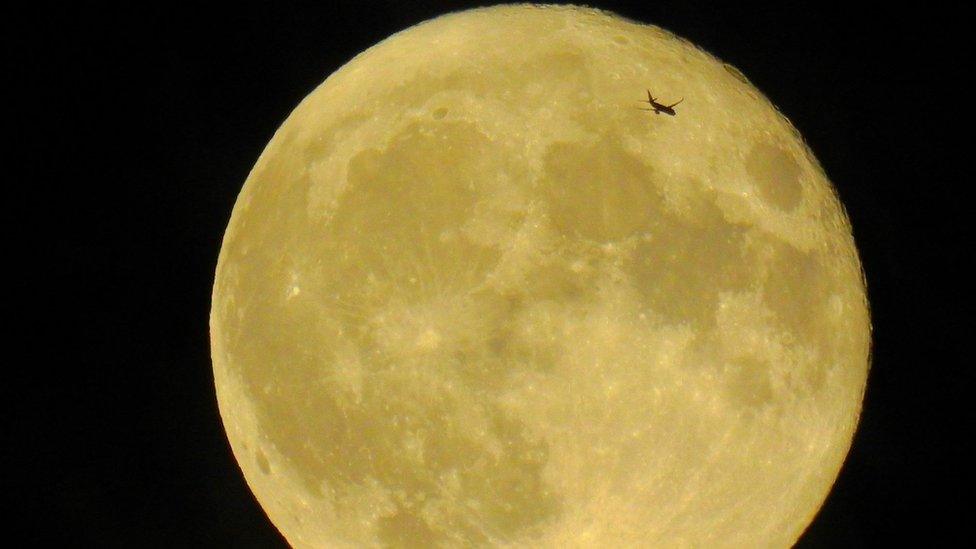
135 127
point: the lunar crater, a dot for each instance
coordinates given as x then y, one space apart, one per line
776 174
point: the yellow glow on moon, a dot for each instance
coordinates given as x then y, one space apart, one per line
470 295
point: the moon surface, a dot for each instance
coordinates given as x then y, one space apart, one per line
470 295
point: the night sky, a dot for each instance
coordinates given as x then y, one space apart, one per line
135 128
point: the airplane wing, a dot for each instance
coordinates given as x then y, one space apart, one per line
673 104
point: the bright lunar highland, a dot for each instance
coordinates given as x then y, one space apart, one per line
470 295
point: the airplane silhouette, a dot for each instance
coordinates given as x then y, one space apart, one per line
657 107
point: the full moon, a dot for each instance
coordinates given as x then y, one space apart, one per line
471 295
